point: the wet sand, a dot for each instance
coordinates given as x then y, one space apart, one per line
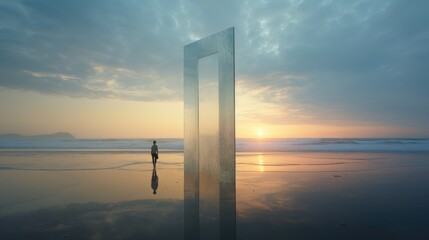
99 195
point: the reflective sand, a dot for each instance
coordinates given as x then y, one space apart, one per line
101 195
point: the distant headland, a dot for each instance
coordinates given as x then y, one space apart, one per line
58 135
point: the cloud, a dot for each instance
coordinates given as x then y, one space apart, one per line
132 42
325 61
357 62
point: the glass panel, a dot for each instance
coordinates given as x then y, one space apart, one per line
209 147
210 139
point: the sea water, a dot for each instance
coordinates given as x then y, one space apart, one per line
243 145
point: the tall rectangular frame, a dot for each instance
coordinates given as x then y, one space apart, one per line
221 43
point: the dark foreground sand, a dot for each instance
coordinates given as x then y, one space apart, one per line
108 195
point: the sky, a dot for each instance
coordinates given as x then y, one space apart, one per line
113 69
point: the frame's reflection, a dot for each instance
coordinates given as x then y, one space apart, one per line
210 141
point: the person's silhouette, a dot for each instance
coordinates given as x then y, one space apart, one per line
154 153
154 182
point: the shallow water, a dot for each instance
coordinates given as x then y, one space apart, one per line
108 195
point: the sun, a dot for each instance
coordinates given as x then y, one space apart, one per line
260 133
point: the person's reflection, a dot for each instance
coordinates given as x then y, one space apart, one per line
154 183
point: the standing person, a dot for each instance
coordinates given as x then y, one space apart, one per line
154 152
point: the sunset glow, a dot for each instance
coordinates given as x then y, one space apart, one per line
260 133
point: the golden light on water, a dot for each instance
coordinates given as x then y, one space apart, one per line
261 163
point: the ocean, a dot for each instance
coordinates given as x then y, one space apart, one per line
242 144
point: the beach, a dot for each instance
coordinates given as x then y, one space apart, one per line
296 195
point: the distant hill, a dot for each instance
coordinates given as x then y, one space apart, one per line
59 135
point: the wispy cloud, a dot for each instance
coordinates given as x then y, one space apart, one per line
50 75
